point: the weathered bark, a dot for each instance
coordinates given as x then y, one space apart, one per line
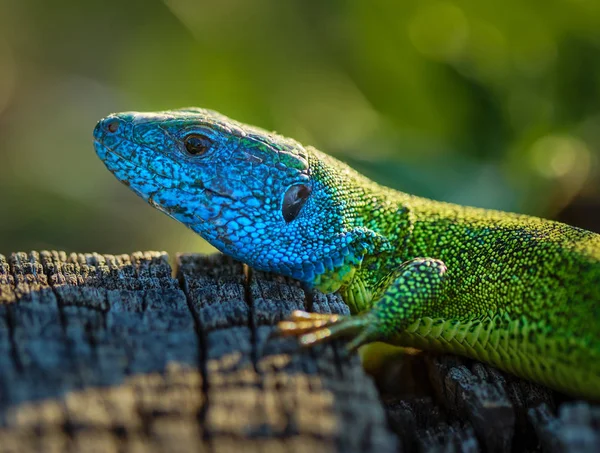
114 353
111 353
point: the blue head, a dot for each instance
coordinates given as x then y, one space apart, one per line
259 197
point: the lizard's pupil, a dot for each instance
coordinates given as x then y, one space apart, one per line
293 200
197 144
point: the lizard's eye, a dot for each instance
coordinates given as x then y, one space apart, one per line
293 200
197 144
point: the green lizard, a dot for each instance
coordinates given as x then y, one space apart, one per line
519 292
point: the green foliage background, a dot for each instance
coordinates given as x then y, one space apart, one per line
494 104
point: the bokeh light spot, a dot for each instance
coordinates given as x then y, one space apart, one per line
561 156
439 31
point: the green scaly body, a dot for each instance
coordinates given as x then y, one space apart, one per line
519 292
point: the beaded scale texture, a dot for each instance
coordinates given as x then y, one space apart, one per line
519 292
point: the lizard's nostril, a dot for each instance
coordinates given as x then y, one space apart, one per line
112 125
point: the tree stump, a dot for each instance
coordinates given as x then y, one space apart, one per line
119 354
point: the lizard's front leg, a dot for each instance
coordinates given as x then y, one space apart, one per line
406 295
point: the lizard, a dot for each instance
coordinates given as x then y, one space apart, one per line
515 291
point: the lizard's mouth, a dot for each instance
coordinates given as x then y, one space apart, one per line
132 165
109 154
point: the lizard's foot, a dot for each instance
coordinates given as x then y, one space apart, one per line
314 328
403 296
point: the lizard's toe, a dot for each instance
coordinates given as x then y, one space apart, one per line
314 328
299 315
301 322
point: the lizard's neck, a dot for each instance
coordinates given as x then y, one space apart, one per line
369 206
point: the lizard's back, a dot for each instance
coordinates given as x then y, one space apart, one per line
531 288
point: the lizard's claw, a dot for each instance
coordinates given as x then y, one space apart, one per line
315 328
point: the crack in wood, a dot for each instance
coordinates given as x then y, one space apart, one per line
202 353
249 299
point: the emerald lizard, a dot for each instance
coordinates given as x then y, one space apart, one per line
518 292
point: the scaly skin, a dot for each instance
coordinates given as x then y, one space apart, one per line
515 291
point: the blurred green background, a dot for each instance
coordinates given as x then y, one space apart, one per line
493 105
